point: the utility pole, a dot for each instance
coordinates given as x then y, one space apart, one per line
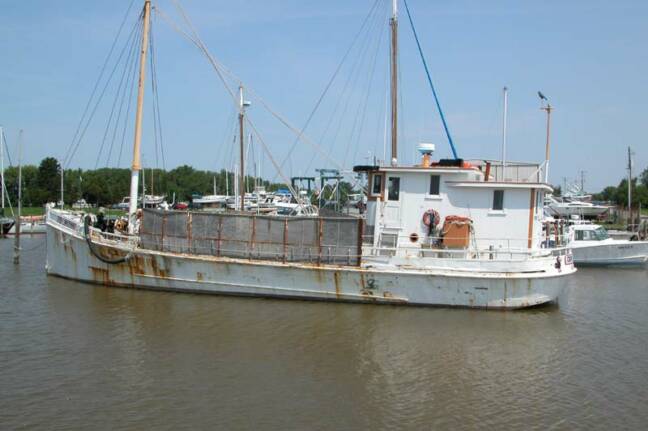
548 109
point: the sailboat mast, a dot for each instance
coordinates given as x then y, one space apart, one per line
394 81
504 132
135 168
242 148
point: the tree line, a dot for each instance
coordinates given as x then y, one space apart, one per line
619 194
103 187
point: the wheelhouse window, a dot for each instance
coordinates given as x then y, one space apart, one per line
498 200
377 185
393 188
435 184
600 234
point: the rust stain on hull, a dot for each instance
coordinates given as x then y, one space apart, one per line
336 278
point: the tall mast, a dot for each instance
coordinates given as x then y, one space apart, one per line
135 168
629 188
504 131
62 186
394 82
242 106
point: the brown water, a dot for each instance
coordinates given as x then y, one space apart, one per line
76 356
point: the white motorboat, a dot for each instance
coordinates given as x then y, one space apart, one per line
566 208
210 201
591 245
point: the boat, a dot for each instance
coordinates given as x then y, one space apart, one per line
436 233
568 207
81 204
591 245
30 225
209 201
6 223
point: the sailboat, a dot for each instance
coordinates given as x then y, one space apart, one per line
438 233
6 223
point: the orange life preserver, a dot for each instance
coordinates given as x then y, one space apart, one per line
431 218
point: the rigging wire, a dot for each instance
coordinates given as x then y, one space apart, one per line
368 93
70 153
130 77
429 78
362 57
131 55
127 116
221 71
157 121
330 82
353 78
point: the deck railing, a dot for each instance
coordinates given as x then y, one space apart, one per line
329 253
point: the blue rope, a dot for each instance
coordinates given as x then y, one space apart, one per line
427 72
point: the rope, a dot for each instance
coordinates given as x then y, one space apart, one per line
429 78
86 233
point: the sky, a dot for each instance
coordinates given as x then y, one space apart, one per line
588 57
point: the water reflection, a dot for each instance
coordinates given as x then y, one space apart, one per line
75 355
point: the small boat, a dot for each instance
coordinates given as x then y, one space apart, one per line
6 224
591 245
569 207
30 225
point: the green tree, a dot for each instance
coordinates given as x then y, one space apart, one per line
643 178
47 180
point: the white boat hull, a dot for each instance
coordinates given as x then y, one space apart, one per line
612 253
69 256
28 228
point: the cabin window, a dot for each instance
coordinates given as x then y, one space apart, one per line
376 188
579 235
498 200
393 188
435 184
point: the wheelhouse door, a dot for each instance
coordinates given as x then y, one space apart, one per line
392 214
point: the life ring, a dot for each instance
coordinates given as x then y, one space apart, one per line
431 218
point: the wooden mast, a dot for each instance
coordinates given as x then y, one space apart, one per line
137 165
394 82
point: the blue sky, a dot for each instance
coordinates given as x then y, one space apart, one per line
589 57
